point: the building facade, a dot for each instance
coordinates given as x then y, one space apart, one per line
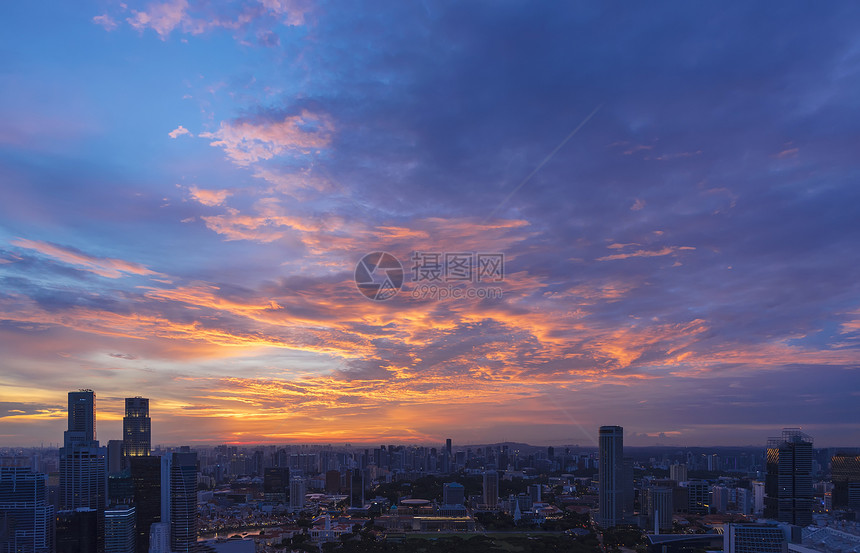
788 484
610 476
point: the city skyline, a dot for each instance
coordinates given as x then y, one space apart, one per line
189 194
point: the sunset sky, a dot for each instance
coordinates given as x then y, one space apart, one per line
186 188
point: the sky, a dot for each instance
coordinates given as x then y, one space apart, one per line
187 187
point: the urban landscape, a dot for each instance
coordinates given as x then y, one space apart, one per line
429 276
126 497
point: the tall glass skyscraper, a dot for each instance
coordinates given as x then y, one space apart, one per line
25 510
179 499
788 483
136 428
611 478
83 469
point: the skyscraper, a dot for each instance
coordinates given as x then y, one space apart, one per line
179 499
136 428
491 489
25 510
146 483
610 476
678 473
845 469
788 483
297 493
83 470
119 529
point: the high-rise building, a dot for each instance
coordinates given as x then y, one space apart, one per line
119 529
276 482
24 509
754 538
146 482
159 538
610 476
698 497
136 427
82 415
660 508
758 497
491 489
297 493
77 530
83 470
788 483
678 473
845 470
114 456
719 499
179 499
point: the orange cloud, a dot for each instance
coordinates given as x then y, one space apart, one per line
246 142
209 198
103 266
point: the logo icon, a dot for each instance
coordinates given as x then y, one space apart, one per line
379 276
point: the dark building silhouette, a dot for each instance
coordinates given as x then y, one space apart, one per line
83 468
611 476
788 483
146 484
77 530
276 483
845 470
26 518
179 474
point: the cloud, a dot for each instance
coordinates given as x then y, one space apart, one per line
102 266
637 205
105 21
667 250
160 17
209 198
248 141
179 131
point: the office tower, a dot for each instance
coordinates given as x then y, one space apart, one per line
136 427
82 415
83 470
276 481
535 493
119 529
77 530
743 501
297 493
719 499
114 456
758 497
448 446
788 483
159 538
678 473
660 508
754 538
120 488
453 493
146 482
179 499
845 470
610 476
356 488
627 495
491 489
25 511
698 497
